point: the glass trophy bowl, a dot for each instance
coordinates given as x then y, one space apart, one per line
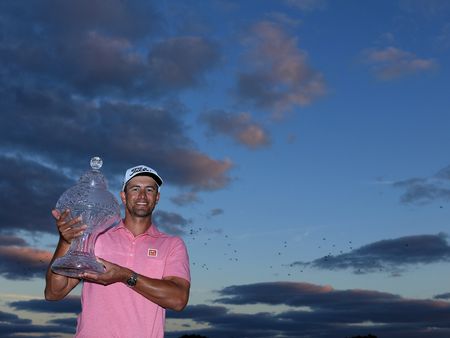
99 210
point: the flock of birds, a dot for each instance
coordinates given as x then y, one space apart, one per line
219 241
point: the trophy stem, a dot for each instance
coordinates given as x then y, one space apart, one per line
80 258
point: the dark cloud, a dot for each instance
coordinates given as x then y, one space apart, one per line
23 262
331 313
102 48
185 198
72 45
68 322
178 62
70 304
11 318
6 240
77 81
239 127
312 311
277 76
31 189
391 255
318 311
307 5
442 296
171 222
133 20
216 212
426 190
13 326
67 132
429 9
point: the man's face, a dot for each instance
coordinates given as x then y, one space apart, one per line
141 196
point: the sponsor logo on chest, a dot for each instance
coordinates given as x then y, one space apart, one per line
152 252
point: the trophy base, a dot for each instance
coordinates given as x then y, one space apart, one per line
75 263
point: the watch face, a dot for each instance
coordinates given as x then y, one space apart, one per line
132 280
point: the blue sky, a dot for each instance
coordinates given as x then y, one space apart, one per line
303 145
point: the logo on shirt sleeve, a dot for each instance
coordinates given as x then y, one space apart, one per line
152 253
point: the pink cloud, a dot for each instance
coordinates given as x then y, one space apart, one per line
278 75
391 62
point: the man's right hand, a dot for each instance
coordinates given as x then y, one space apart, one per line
69 228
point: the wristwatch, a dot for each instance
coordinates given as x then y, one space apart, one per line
131 282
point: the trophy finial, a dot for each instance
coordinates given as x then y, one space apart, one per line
96 163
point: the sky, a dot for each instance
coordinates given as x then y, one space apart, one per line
303 146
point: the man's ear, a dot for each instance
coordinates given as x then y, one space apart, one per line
123 197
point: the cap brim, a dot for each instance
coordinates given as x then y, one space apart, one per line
157 179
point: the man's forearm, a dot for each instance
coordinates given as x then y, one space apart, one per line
58 286
172 293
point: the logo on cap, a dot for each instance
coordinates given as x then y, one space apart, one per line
139 169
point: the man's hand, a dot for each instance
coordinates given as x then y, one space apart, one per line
113 273
69 228
58 286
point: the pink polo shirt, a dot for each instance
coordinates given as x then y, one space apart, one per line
118 311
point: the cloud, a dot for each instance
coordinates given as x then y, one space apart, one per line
78 80
391 62
284 19
19 262
70 304
11 318
25 180
216 212
239 127
312 311
391 255
171 222
75 129
307 5
443 296
426 190
277 76
178 62
442 40
12 325
185 198
318 311
65 43
107 48
430 9
7 240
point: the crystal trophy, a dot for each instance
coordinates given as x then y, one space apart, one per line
99 210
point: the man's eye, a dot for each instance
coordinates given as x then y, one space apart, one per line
150 189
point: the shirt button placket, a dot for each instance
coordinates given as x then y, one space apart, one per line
131 250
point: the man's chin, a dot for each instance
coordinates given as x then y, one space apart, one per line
142 213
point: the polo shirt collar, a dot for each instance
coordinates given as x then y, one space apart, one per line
151 231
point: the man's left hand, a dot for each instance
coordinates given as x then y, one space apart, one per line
113 273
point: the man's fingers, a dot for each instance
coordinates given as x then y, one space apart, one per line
79 233
56 214
64 224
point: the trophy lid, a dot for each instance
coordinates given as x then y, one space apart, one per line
91 192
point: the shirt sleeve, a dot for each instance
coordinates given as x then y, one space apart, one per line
177 263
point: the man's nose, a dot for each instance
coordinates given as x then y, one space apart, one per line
142 193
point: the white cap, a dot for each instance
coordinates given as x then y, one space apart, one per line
141 170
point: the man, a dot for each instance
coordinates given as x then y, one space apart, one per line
146 272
